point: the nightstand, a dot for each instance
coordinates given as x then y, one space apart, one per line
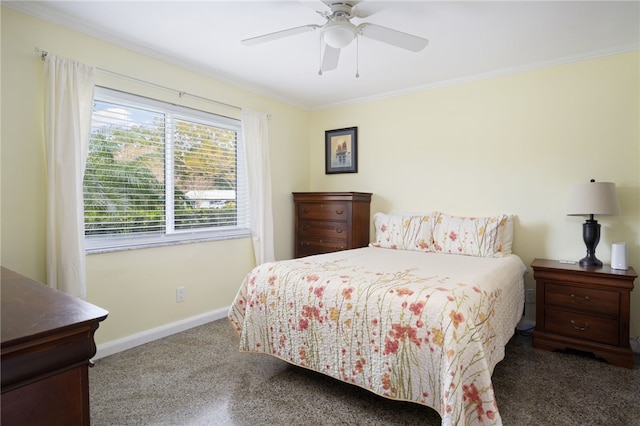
584 308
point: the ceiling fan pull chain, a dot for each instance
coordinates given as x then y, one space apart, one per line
357 57
320 54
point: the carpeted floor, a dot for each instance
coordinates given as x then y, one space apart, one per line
198 377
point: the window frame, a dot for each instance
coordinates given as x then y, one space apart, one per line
171 236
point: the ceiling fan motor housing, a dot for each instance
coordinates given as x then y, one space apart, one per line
342 9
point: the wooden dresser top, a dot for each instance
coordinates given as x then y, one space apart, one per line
30 308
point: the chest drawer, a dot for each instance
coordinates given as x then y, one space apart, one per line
335 230
581 299
311 246
581 326
323 211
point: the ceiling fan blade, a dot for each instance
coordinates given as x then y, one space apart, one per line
279 34
363 12
366 9
330 58
393 37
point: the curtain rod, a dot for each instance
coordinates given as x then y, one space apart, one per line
43 54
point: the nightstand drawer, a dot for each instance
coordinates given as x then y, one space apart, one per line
309 246
326 211
584 327
336 230
586 300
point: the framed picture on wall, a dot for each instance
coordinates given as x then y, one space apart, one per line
341 150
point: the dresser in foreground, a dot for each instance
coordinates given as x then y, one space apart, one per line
47 343
330 221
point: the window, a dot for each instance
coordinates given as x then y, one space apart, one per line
159 173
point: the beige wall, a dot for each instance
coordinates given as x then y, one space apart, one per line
510 144
513 144
138 286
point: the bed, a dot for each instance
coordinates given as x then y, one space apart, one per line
423 314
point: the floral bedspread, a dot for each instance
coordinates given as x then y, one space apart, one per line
406 325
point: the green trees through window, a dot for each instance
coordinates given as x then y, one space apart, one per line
157 170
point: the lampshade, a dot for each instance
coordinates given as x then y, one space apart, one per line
593 198
339 34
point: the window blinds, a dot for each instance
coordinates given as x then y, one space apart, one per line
159 171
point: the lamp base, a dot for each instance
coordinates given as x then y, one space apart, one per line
591 236
590 261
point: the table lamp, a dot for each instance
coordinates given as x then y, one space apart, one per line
589 199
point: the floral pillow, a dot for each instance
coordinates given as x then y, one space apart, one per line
472 236
403 232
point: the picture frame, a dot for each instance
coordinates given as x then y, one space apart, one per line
341 150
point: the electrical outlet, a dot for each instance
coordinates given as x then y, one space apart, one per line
181 293
529 295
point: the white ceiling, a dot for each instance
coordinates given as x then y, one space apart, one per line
467 40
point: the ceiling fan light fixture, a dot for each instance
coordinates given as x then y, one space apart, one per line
339 34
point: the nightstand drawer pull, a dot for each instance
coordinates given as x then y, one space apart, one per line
339 230
339 212
586 299
577 327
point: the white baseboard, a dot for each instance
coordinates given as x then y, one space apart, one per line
119 345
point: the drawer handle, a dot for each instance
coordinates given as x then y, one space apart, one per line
305 211
339 211
577 327
586 299
339 230
305 227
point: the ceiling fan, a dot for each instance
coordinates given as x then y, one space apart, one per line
339 32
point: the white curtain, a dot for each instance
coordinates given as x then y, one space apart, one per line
68 106
255 130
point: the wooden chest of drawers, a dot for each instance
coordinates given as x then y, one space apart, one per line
47 341
330 221
584 308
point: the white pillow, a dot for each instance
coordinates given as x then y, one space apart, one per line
403 231
472 236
